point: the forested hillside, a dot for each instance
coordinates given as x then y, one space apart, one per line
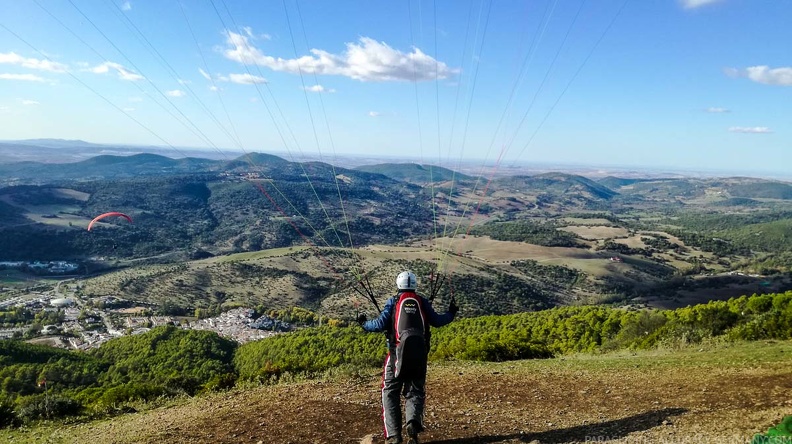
168 361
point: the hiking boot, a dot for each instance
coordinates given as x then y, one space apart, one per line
393 440
412 433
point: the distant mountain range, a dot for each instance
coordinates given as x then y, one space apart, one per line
63 151
548 184
69 151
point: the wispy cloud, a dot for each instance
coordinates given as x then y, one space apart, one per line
26 77
764 74
214 88
123 72
129 109
175 93
693 4
249 31
184 82
243 79
319 89
366 60
13 58
28 102
135 99
127 6
716 109
374 114
750 129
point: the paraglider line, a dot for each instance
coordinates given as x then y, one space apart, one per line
307 240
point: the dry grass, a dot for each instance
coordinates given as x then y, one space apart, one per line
587 222
495 251
68 193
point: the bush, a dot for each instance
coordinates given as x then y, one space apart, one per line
45 407
116 397
507 350
7 416
220 382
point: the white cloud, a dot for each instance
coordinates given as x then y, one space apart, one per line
693 4
127 6
319 89
750 129
123 73
26 77
27 102
367 60
374 114
214 88
245 79
135 99
205 74
764 74
129 110
716 109
184 82
175 93
253 99
13 58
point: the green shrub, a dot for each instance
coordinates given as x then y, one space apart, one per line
35 407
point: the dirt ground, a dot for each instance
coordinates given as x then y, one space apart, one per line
721 395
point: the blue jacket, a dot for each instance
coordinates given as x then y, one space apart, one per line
384 322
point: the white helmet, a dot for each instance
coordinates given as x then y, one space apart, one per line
406 281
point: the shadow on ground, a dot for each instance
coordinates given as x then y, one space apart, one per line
608 430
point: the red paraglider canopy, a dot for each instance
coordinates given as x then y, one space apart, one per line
112 213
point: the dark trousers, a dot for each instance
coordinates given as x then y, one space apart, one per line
414 393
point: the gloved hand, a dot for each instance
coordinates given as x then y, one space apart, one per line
452 307
361 319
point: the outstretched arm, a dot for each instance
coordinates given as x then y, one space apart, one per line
439 320
381 322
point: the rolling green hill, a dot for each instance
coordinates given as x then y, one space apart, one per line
414 173
103 167
558 185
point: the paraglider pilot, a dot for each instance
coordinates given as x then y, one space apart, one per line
406 319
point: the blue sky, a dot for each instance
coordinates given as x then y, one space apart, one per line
688 84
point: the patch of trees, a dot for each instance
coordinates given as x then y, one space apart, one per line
661 243
706 242
16 316
545 234
735 234
624 249
771 264
10 214
499 293
293 315
556 275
